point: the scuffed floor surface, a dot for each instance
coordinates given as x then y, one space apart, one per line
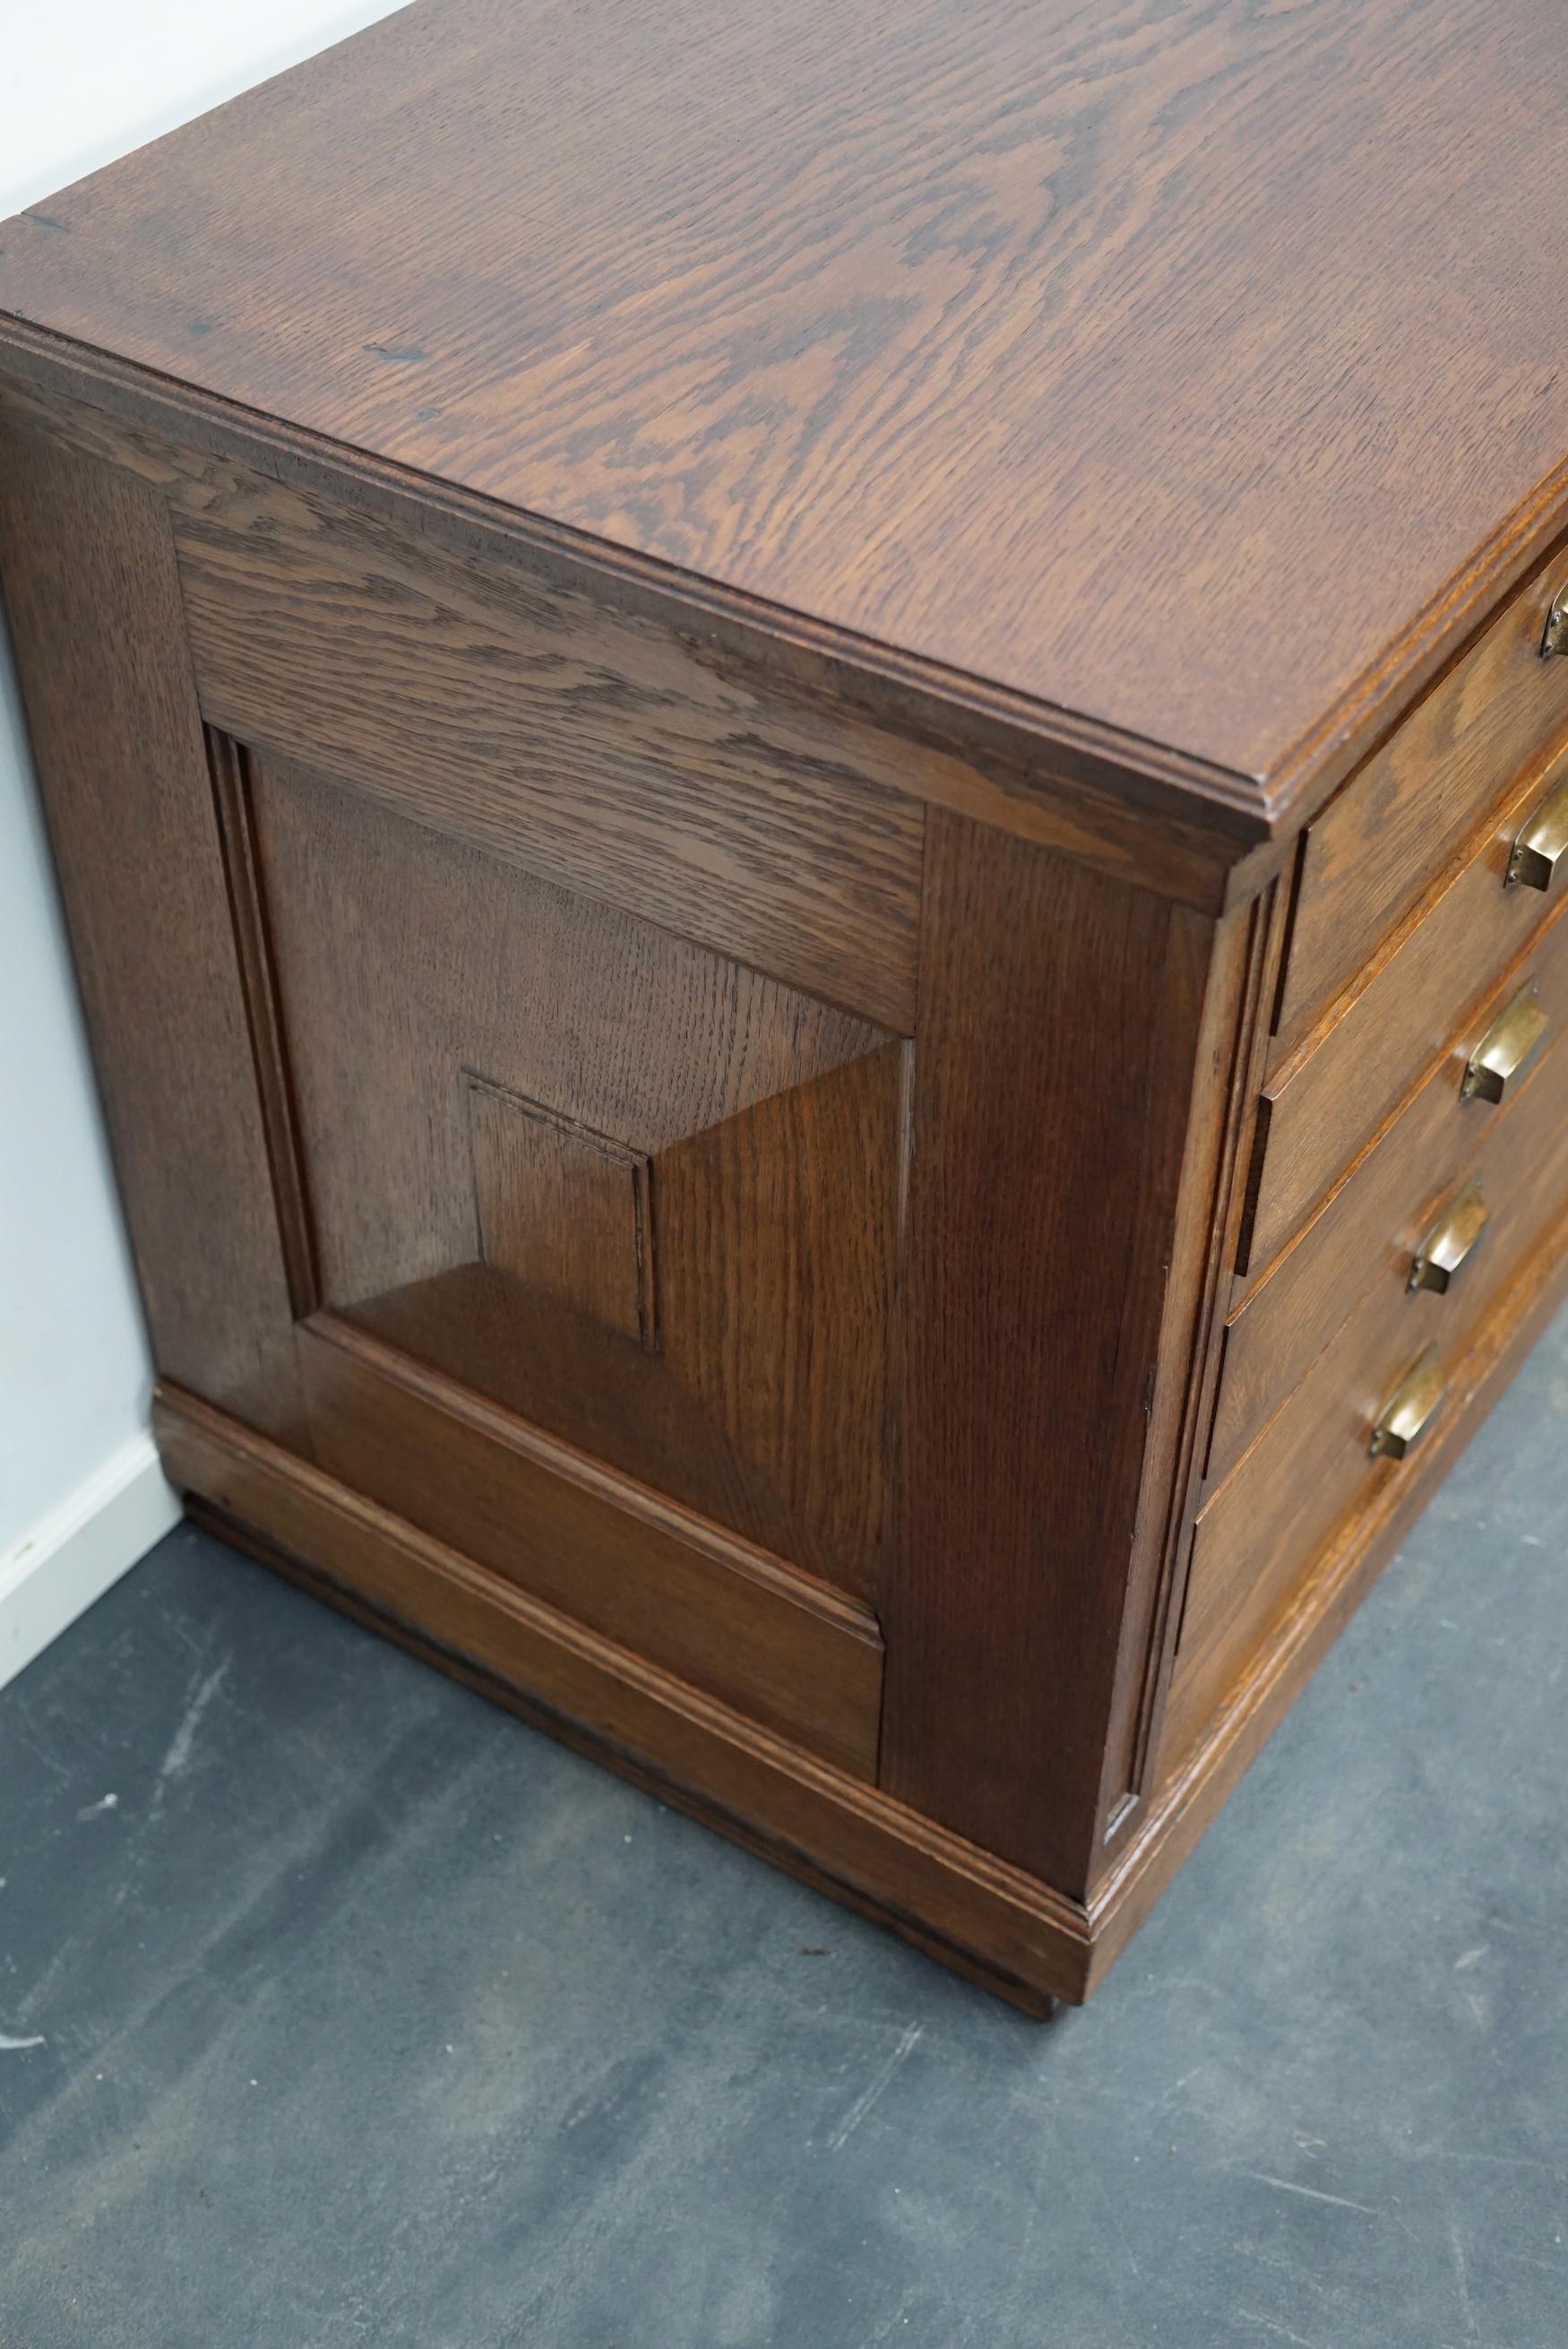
339 2008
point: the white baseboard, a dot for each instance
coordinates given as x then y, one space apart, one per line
71 1556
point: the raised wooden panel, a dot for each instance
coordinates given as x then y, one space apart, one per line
563 1209
657 1579
93 599
769 1271
633 1194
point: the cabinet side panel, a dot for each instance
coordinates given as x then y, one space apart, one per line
584 748
93 599
1057 1032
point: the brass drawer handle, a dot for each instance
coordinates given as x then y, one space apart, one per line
1555 641
1411 1409
1509 1044
1543 842
1450 1243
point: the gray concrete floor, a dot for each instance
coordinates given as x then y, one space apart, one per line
350 2011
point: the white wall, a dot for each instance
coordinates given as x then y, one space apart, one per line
80 1497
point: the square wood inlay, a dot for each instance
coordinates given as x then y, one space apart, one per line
563 1208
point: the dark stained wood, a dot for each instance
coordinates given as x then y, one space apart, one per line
1244 975
963 1908
93 599
1411 810
563 1209
690 1050
600 756
1093 354
1065 783
651 1577
592 1011
777 1239
1194 1789
847 1837
1260 1531
232 793
727 1341
1058 1025
1041 2005
1365 1233
1421 1001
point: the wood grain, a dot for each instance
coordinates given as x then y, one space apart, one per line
1244 973
93 599
1059 1020
1029 1998
957 1903
1413 1009
1365 1233
1409 811
769 593
1261 1529
591 1013
411 970
778 1235
715 1611
564 1209
234 801
593 752
844 1836
1135 811
1195 1787
1090 353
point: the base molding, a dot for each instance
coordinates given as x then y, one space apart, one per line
72 1555
1015 1936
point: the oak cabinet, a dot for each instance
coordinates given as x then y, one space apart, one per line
830 1023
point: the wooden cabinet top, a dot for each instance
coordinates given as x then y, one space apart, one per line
1187 372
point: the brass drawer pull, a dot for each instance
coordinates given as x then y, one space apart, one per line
1555 641
1450 1243
1411 1409
1542 847
1509 1044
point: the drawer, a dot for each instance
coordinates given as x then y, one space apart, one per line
1363 1237
1260 1531
1387 835
1322 1107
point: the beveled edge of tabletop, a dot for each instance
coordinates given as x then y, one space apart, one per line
1239 823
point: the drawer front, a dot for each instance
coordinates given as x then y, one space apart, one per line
1321 1109
1259 1530
1366 1234
1386 836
